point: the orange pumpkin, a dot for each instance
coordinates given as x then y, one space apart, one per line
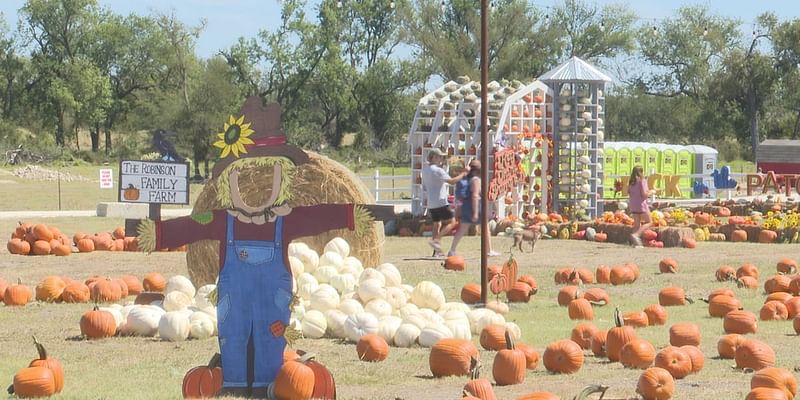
580 309
18 246
656 314
372 348
42 232
747 269
774 311
520 292
777 283
740 321
675 361
563 357
598 344
104 290
747 282
40 248
471 293
775 378
622 275
50 289
668 266
719 306
97 324
763 393
34 382
531 355
17 294
597 296
510 364
673 296
684 333
477 387
767 236
754 354
739 235
726 273
567 294
493 337
787 266
582 334
295 380
618 336
203 382
636 319
792 306
454 263
85 245
656 384
50 363
452 357
637 353
603 274
154 282
727 344
696 356
76 292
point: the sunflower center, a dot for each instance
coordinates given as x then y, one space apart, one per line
232 134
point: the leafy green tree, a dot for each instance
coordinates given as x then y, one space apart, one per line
593 33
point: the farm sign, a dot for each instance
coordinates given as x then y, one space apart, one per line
507 174
772 182
153 182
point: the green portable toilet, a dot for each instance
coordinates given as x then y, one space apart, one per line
669 163
609 169
624 161
685 169
638 158
652 161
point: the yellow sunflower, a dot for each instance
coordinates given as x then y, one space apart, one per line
235 135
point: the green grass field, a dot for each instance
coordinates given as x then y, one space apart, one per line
146 368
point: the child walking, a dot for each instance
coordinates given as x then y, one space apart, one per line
640 210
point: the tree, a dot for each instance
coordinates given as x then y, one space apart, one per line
592 33
447 34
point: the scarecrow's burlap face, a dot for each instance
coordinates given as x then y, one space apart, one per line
256 176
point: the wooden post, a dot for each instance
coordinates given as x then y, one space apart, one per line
486 147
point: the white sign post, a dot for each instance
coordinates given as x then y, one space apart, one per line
106 178
153 182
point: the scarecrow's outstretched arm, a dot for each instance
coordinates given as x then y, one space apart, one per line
176 232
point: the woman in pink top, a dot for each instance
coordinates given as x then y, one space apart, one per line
640 211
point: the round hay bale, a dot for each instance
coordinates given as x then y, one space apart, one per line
673 236
321 181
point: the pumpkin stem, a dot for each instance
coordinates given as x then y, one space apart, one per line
618 321
705 300
10 389
216 361
591 389
40 349
509 341
689 299
304 356
474 368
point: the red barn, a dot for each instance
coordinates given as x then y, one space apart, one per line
781 156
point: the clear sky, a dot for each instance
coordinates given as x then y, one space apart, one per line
230 19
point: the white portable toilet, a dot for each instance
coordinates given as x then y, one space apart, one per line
705 163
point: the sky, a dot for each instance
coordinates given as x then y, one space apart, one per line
230 19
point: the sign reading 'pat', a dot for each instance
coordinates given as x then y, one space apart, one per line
153 182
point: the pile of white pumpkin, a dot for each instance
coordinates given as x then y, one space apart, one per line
183 314
342 299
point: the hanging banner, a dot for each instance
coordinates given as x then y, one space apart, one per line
507 174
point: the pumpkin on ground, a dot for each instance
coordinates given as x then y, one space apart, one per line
775 378
656 314
17 294
520 292
740 321
493 337
510 364
154 282
637 353
696 356
372 348
597 296
636 319
727 344
580 309
477 387
563 357
719 306
454 263
763 393
684 333
675 361
777 283
774 311
567 294
747 282
618 336
582 334
754 354
673 296
76 292
295 380
747 269
34 382
44 360
531 355
668 265
50 289
656 384
451 357
97 324
725 273
598 343
603 274
787 266
471 293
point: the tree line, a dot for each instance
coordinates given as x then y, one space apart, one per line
358 67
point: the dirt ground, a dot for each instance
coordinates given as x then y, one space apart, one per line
146 368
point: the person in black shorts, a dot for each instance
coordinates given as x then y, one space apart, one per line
435 181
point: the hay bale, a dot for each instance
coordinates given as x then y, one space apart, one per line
617 233
673 236
321 181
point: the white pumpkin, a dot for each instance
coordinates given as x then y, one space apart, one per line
433 333
352 269
497 306
180 283
391 274
474 316
306 290
408 309
213 316
586 115
201 326
371 289
309 258
335 320
358 325
314 324
174 326
406 335
460 329
325 298
201 296
408 289
600 137
416 319
490 319
325 273
296 248
118 319
584 159
387 327
306 278
331 259
176 300
431 316
343 282
565 122
455 315
296 265
514 330
352 262
143 320
350 295
379 308
350 307
396 297
299 311
372 273
457 306
125 310
428 295
622 206
339 246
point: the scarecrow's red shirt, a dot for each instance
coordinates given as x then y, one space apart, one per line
302 221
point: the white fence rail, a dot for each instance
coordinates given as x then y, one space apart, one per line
388 188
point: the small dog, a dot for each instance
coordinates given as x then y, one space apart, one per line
531 234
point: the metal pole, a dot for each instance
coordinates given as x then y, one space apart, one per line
377 178
485 148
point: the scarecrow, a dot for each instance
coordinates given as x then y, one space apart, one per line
254 288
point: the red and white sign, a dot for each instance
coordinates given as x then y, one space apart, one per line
106 178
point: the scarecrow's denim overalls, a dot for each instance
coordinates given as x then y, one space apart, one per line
255 289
